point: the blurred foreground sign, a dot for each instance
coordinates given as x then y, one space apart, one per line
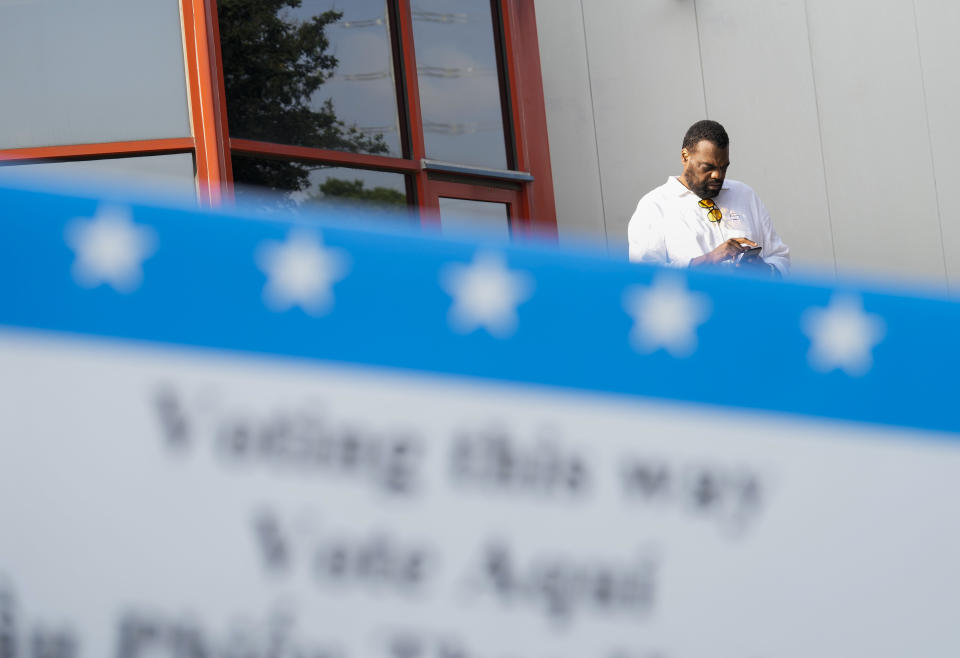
225 436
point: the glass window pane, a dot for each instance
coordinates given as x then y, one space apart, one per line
459 215
459 82
174 172
91 71
319 74
296 185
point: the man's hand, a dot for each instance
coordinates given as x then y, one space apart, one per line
729 250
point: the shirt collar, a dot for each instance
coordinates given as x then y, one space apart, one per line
677 187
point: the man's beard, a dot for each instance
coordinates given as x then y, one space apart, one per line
702 190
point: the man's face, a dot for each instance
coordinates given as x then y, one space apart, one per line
704 168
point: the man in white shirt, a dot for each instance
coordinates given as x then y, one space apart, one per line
702 218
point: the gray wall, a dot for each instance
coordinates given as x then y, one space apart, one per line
839 115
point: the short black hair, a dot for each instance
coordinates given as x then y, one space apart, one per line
705 130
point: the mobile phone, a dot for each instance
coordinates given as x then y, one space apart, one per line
751 251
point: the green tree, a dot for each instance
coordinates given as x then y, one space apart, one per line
354 191
272 66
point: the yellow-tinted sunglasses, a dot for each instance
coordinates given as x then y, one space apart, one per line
714 214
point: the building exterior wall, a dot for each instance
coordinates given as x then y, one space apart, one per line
839 116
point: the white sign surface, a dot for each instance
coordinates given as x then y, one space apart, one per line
173 502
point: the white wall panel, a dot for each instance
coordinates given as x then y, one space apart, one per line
875 137
570 123
841 116
647 89
759 83
937 22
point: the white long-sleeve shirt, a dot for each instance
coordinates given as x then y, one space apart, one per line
670 228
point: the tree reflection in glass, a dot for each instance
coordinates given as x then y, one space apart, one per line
357 192
307 74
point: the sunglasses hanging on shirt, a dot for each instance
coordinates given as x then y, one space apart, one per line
713 214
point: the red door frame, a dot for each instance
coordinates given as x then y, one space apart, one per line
532 204
204 110
99 150
529 114
472 191
534 210
411 94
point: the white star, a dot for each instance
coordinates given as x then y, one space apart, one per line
666 315
485 294
301 272
109 249
842 335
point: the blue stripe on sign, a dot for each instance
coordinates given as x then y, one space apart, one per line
331 288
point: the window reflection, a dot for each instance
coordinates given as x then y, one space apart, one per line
459 82
173 173
317 73
356 191
91 71
465 215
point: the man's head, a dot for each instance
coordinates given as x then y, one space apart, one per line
706 156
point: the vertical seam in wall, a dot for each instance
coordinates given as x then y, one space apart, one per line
703 74
823 157
593 118
933 166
